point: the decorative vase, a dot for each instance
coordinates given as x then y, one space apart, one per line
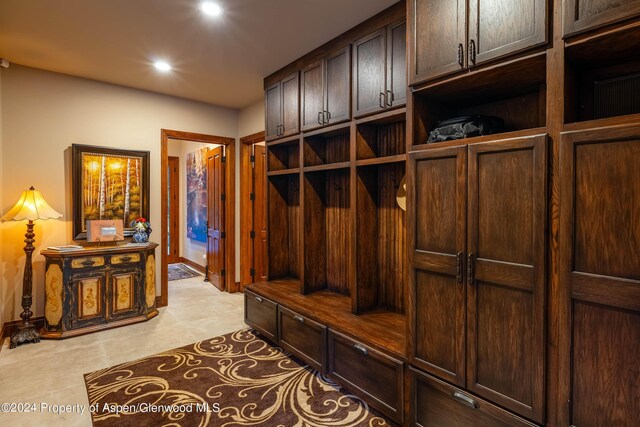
140 236
141 230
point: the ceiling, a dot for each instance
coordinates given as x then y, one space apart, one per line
216 60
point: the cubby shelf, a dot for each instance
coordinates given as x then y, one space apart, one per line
284 172
331 166
399 158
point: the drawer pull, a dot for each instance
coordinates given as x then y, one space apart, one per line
126 259
362 349
465 400
298 318
88 263
258 299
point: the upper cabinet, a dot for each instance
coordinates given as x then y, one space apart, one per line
325 87
448 36
582 15
282 108
379 70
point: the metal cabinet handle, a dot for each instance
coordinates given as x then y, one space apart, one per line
461 55
298 318
389 99
281 130
258 299
459 267
125 259
465 400
362 349
327 116
381 100
320 114
470 269
472 51
88 263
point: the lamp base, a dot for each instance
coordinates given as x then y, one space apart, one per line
25 333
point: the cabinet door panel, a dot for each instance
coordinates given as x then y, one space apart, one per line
599 217
502 27
438 29
312 95
87 302
291 105
438 194
581 15
273 111
369 66
506 286
338 86
397 63
122 294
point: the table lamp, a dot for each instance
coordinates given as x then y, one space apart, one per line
31 207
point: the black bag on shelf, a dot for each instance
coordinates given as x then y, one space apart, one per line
465 127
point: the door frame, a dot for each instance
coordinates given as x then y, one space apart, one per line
245 209
174 211
230 190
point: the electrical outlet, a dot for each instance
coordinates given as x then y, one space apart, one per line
204 256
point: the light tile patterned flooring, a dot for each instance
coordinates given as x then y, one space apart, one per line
51 372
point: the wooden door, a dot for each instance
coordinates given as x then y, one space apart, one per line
600 276
173 206
290 105
260 214
273 111
499 28
397 64
369 73
582 15
506 273
311 88
437 226
437 38
337 93
215 217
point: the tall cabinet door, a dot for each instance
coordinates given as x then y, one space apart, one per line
581 15
311 88
397 64
438 38
506 273
290 105
498 28
369 66
273 111
600 225
437 230
338 86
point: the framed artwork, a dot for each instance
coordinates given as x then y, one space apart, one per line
197 195
108 184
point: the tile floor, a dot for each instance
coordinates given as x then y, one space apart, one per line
51 372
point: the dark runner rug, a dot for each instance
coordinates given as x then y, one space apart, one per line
236 379
180 271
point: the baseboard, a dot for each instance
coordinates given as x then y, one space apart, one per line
159 302
9 327
193 265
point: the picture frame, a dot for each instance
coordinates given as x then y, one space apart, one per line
108 184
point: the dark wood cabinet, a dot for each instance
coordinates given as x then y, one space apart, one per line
326 90
379 70
448 36
98 288
282 108
303 337
261 314
497 191
583 15
600 202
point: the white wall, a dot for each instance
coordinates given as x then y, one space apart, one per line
190 249
43 113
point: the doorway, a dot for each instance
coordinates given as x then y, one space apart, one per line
253 210
226 263
173 210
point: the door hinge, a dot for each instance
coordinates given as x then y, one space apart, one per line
253 158
222 273
223 197
224 159
223 235
252 272
252 234
252 196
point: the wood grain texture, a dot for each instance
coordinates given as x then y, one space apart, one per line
312 97
273 110
369 73
290 105
303 337
380 140
583 15
284 156
284 222
397 62
326 148
261 314
337 89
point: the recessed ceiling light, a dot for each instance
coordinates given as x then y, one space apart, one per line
163 66
210 8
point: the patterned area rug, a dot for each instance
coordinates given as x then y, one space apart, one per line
180 271
236 379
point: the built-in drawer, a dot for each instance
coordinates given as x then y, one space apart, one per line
435 403
87 262
125 259
261 314
303 337
370 374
